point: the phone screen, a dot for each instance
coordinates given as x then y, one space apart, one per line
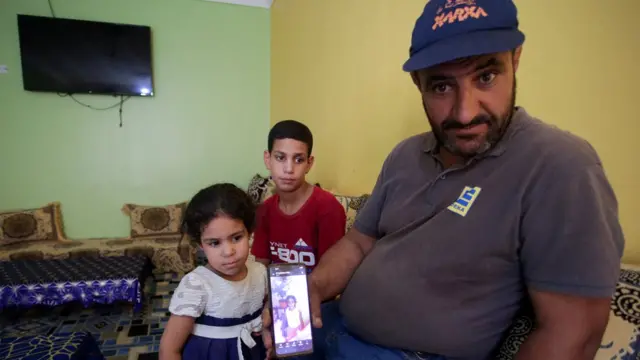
290 310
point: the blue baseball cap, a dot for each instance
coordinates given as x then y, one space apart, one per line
452 29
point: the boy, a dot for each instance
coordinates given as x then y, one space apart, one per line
300 221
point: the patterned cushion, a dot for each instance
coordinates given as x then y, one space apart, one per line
152 221
260 188
622 337
40 224
352 205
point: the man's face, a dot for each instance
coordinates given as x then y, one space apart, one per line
470 101
288 164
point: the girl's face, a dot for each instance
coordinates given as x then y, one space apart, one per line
225 242
292 304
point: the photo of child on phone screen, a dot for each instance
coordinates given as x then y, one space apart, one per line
290 310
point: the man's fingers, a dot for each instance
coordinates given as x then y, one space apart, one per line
267 338
266 316
314 299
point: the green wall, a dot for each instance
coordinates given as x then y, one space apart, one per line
208 121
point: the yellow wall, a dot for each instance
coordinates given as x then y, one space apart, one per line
336 65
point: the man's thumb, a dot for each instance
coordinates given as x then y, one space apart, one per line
315 309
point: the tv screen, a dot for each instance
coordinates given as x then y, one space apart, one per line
77 56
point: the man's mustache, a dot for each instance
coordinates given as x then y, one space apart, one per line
451 123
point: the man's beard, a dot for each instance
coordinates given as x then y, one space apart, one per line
496 126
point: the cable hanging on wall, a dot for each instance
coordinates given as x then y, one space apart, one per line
123 99
118 105
53 14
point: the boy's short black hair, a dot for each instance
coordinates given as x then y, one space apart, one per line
222 199
290 129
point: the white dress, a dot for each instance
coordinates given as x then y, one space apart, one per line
293 318
226 313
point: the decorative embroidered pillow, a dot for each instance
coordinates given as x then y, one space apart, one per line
153 221
44 223
352 205
260 188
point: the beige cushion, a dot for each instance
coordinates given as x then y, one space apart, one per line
153 221
39 224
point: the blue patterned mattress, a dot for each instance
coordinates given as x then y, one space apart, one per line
75 346
103 280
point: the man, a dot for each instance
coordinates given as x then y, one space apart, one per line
491 209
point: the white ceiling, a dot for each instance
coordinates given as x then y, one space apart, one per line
257 3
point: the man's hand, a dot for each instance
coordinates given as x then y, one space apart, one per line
267 336
315 302
327 280
316 317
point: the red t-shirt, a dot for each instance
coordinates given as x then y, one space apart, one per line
302 237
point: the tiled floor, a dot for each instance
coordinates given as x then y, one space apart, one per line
121 334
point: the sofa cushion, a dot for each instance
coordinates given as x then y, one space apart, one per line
260 188
39 224
169 254
27 255
153 221
352 205
621 340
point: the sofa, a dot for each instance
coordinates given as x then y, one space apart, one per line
621 340
33 234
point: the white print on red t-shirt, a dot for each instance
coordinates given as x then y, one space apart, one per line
301 253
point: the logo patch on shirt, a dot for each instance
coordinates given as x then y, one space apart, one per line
465 200
300 253
301 244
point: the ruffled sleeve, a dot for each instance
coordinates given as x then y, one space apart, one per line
190 297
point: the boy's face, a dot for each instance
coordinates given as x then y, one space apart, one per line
288 163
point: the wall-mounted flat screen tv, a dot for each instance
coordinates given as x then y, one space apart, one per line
77 56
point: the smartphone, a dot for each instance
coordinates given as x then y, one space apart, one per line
290 310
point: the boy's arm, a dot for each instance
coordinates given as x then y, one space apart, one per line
331 225
260 246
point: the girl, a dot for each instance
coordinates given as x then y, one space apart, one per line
216 309
293 315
